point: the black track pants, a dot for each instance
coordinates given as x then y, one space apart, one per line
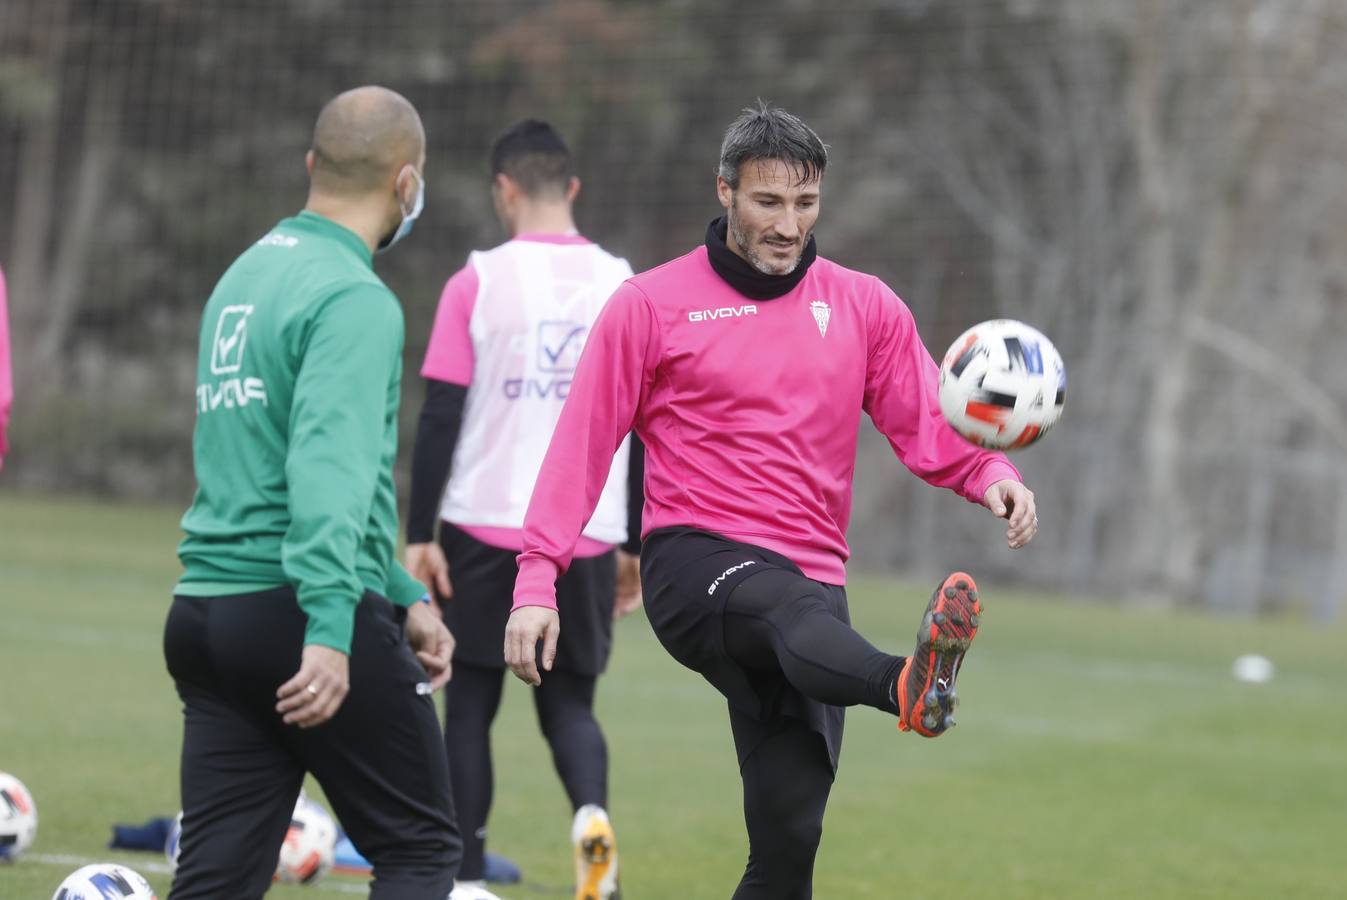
565 707
780 647
380 759
780 620
787 776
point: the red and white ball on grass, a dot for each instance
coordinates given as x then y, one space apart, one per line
310 845
307 853
1002 385
18 818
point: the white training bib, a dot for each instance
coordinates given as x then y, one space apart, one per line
536 301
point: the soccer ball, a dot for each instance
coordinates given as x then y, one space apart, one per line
1002 385
310 844
173 846
104 881
18 818
306 854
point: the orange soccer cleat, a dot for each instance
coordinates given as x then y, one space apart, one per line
926 698
595 855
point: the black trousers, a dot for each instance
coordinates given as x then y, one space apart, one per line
787 778
565 707
379 760
781 649
483 579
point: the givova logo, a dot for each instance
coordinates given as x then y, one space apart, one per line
726 574
231 336
226 358
230 393
723 312
559 345
558 353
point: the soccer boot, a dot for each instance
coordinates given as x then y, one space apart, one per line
595 855
926 698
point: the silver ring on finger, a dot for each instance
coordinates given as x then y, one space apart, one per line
313 690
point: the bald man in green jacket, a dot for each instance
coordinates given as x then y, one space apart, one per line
296 641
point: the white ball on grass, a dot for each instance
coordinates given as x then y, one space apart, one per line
18 818
104 881
1253 668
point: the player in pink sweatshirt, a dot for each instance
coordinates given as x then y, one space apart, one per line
744 366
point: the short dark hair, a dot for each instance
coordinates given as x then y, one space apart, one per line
768 132
534 157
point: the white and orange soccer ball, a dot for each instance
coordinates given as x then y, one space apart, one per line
104 881
18 818
1002 384
310 844
307 853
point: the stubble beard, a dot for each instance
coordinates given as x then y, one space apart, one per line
744 240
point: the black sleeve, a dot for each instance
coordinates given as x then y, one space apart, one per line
432 456
635 495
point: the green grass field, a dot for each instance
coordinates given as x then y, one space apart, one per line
1101 753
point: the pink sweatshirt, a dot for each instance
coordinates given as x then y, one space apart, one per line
749 410
6 372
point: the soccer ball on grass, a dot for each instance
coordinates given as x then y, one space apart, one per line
18 818
310 844
306 854
104 881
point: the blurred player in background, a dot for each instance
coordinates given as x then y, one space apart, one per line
506 338
744 366
296 641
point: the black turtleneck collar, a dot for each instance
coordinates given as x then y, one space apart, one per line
739 273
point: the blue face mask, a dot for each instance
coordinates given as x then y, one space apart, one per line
408 218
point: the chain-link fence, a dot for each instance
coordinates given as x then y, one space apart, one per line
1159 186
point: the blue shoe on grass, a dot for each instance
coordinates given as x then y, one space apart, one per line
500 870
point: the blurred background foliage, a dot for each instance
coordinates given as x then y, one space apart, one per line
1158 185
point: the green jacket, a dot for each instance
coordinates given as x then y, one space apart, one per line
298 383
